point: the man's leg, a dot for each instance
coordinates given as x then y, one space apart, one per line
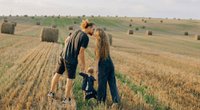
54 82
68 89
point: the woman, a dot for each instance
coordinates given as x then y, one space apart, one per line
105 68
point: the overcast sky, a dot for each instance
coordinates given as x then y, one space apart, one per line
135 8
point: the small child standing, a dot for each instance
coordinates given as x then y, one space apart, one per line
88 84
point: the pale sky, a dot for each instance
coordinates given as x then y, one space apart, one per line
134 8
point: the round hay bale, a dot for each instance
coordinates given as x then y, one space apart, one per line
142 20
186 33
143 27
54 26
197 37
37 23
149 33
131 20
7 28
137 29
5 20
161 21
130 32
145 21
130 25
70 28
49 35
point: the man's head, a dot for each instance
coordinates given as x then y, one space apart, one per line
88 27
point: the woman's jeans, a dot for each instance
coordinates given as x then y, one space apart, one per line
107 74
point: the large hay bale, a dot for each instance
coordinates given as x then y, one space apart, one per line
71 28
197 37
49 35
161 21
186 33
37 23
110 38
7 28
149 33
130 32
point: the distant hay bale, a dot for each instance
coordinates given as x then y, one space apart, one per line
137 29
130 32
161 21
131 20
143 27
5 20
49 35
145 21
25 15
54 26
197 37
7 28
149 33
186 33
37 23
71 28
45 16
116 16
110 38
142 20
130 25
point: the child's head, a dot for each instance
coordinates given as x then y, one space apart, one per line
90 71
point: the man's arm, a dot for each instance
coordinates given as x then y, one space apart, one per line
82 59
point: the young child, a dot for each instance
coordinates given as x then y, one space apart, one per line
88 84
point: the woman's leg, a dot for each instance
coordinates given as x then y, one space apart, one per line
113 87
102 86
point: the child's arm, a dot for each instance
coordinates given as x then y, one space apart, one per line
82 74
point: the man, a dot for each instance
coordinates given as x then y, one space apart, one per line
75 47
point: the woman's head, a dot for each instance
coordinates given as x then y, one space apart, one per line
102 49
88 27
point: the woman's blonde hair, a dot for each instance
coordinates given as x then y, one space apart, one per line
85 24
102 49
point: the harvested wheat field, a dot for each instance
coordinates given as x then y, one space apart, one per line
161 72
